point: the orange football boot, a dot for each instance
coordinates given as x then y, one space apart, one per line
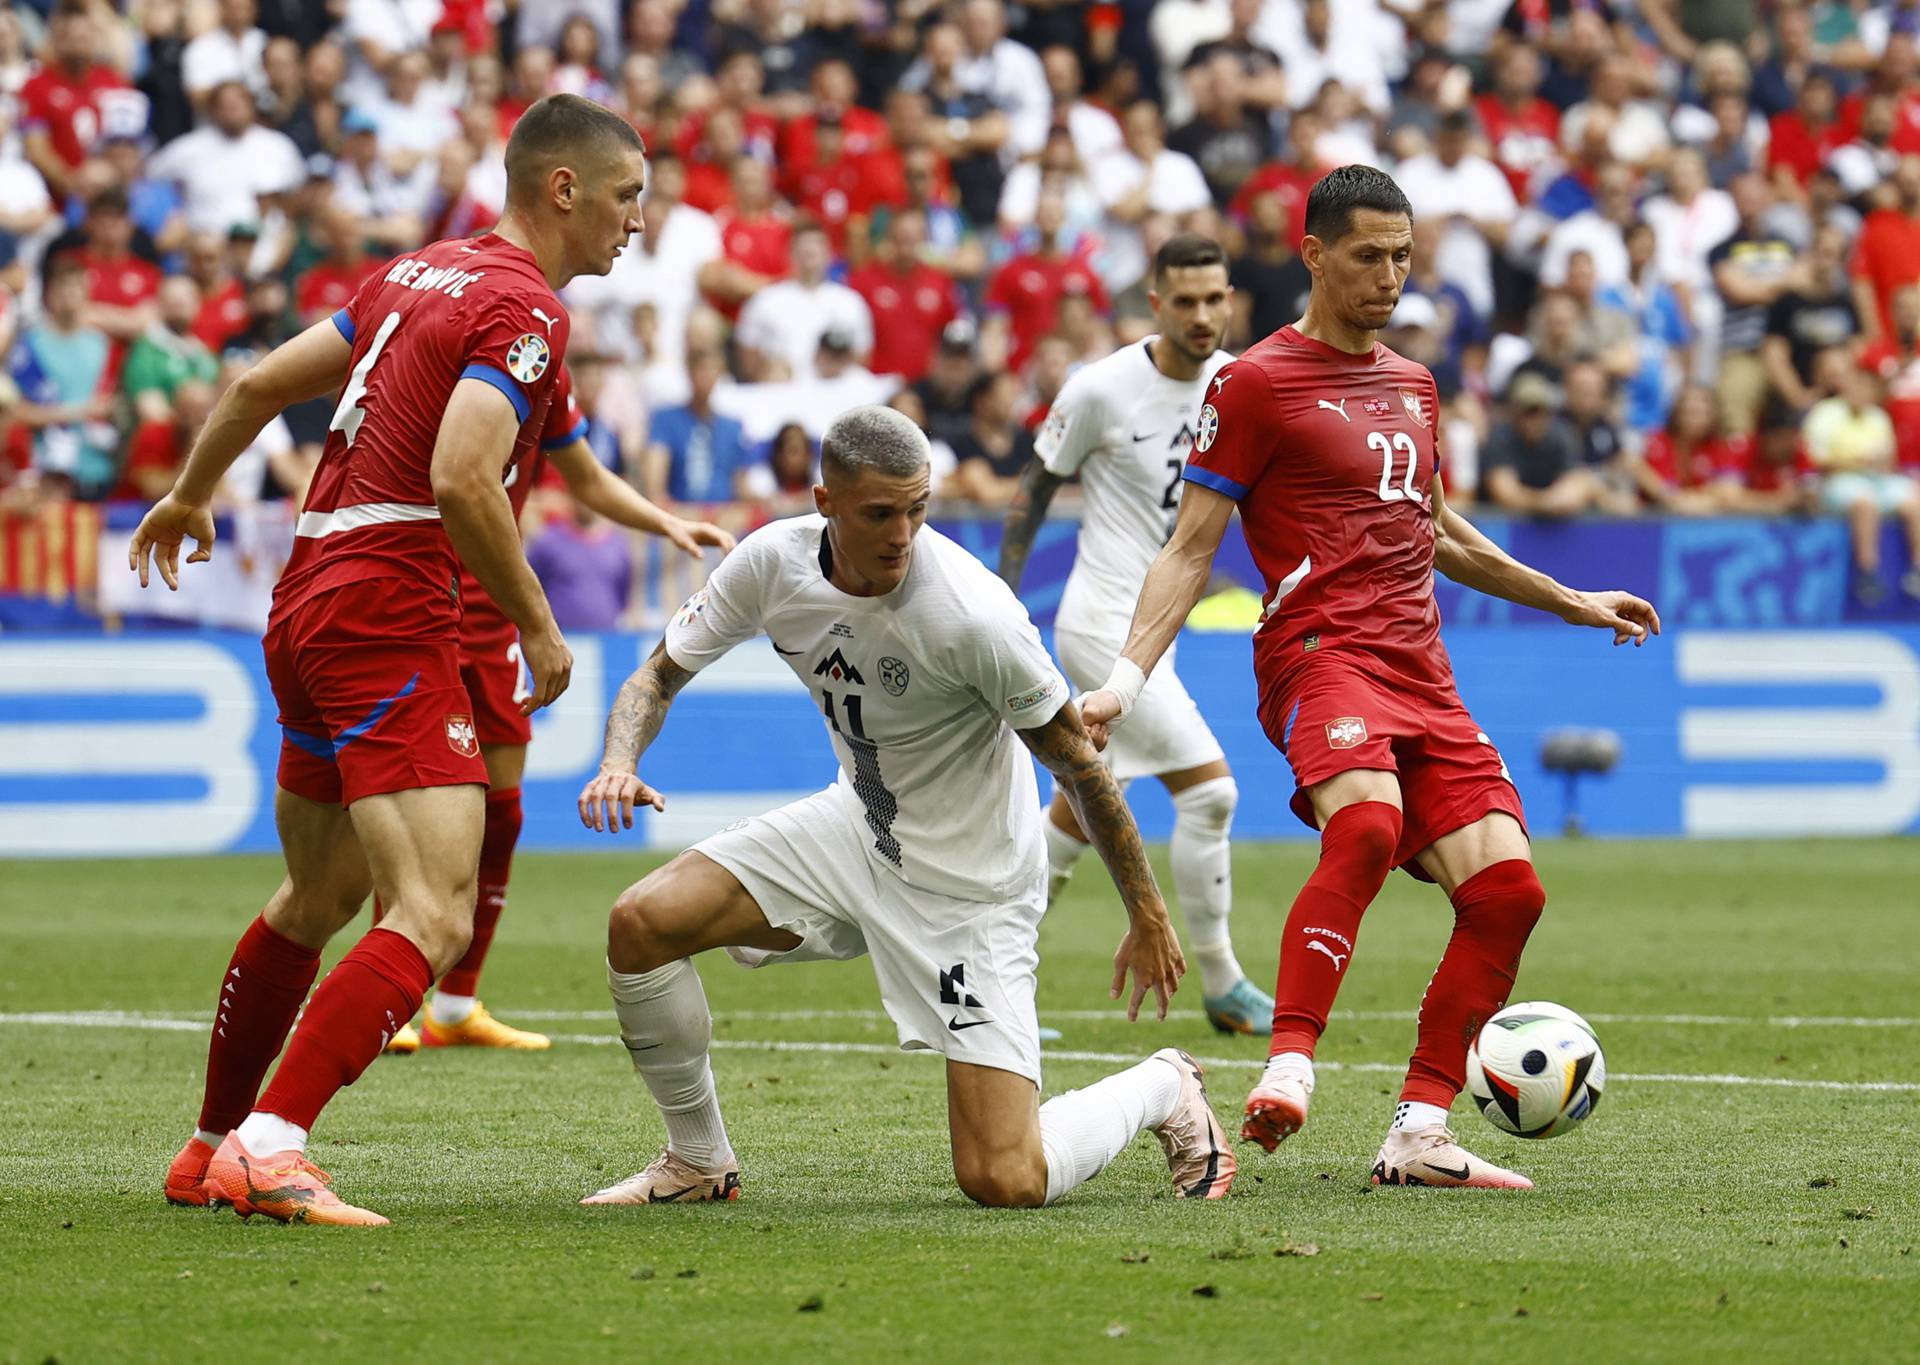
187 1176
480 1029
284 1186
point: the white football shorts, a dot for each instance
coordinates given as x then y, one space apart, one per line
957 977
1164 733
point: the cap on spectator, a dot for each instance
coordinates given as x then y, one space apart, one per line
958 336
319 166
1414 310
1532 390
357 121
836 340
244 232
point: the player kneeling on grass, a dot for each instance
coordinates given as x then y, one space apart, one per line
926 853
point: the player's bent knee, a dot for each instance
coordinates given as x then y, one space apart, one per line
637 937
1002 1183
1367 833
1208 805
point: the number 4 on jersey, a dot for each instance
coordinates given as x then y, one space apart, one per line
349 415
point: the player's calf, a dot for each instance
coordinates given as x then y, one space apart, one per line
1004 1179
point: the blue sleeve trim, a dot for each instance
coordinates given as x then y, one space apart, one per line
1219 483
345 324
502 381
562 442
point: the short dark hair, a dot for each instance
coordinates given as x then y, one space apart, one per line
1340 191
561 129
1185 249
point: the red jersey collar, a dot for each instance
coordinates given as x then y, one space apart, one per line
1295 337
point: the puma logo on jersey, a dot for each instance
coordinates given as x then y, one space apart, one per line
544 318
1220 381
1340 407
1339 959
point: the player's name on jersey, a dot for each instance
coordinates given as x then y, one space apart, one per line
414 274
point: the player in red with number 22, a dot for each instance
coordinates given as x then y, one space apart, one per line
1326 441
450 360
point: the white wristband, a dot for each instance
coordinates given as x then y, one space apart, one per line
1125 682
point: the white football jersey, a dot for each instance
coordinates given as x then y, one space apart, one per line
1125 428
917 687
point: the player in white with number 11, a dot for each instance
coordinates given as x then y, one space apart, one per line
926 854
1124 425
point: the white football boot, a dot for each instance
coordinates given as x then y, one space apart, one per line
1430 1156
670 1180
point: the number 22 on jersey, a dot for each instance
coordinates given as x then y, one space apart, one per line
1393 448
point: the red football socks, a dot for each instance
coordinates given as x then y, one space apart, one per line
496 861
267 978
1493 912
373 991
1356 854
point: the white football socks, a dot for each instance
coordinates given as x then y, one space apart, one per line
450 1009
1082 1130
264 1134
1409 1116
1203 878
1290 1064
665 1025
1063 851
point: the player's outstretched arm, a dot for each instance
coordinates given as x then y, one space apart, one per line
1149 949
639 710
604 491
1471 560
470 455
1174 584
1024 515
313 363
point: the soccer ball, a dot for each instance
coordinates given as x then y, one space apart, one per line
1535 1070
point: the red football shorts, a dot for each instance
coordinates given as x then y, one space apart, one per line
495 678
365 706
1333 716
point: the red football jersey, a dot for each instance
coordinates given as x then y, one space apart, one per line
1029 289
481 620
1331 457
909 310
475 309
327 286
68 108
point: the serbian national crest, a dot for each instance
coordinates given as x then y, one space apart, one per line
527 358
461 737
1346 732
1208 429
1415 403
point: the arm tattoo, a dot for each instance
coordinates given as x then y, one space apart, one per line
641 708
1024 515
1064 747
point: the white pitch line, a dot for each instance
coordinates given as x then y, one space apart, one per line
1396 1016
176 1024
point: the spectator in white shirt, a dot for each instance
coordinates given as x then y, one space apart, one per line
230 170
391 205
380 30
411 123
1640 136
1471 197
1095 131
232 50
781 326
1008 74
1599 231
1688 221
1319 42
1145 176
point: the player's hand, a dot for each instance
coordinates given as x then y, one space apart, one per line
1152 953
1628 617
167 523
616 794
551 663
692 535
1099 712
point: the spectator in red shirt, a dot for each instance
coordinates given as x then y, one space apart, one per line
1894 359
1522 128
60 103
223 302
1291 177
1804 135
1025 294
911 301
158 448
739 82
1886 257
1682 468
331 282
755 236
120 286
710 167
832 86
1894 78
836 191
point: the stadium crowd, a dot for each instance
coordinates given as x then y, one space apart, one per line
1667 251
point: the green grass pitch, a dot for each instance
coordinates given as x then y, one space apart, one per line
1699 1216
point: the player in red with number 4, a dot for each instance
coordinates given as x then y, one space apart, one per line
1325 439
449 359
